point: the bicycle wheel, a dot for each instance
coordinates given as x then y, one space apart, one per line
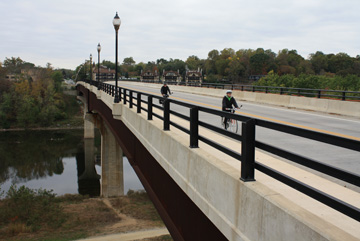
233 126
222 122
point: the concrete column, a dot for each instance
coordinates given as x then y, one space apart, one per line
88 181
112 176
89 126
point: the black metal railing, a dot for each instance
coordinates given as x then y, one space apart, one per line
249 143
316 93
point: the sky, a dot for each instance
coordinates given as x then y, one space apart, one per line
65 32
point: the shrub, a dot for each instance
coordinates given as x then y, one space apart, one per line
33 208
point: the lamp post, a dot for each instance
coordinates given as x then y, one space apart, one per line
90 65
116 23
98 49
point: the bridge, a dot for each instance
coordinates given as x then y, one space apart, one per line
266 183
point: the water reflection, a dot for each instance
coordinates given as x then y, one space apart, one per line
28 155
88 179
59 160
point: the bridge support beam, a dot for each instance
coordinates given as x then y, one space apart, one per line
112 176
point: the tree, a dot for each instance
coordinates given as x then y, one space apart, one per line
129 61
13 64
193 62
58 78
259 63
236 69
319 62
210 67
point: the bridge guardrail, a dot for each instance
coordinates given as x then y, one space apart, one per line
318 93
249 143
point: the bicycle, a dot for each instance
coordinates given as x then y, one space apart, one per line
162 100
232 125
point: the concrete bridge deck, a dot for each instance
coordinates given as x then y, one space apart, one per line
261 210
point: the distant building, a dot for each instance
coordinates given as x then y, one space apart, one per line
11 77
106 74
148 75
171 76
193 76
33 73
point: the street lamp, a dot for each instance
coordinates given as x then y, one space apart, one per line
90 68
98 49
116 23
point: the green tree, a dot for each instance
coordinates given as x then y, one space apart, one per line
58 78
193 62
319 62
259 63
129 61
27 111
13 64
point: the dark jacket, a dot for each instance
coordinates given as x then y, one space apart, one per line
164 90
226 103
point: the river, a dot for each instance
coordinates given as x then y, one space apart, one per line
54 160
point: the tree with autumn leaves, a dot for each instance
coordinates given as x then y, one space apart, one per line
26 102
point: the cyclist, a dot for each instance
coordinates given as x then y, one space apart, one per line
164 91
227 104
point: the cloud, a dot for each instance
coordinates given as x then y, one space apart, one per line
65 32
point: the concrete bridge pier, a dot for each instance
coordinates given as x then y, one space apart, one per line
112 175
89 127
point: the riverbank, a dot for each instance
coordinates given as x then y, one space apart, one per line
44 128
83 217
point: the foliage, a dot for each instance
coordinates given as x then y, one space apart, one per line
32 208
34 99
348 83
238 65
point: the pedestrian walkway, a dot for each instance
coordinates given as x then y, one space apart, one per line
139 235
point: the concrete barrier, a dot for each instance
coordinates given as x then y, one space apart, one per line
348 108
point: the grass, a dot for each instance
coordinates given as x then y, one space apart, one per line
137 205
38 215
27 214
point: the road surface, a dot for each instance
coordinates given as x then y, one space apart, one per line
337 125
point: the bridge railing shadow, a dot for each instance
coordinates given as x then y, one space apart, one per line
249 143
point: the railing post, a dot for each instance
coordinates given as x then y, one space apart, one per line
343 95
266 90
125 98
319 94
194 127
150 106
119 91
166 115
242 88
130 99
281 91
138 107
248 151
298 92
253 89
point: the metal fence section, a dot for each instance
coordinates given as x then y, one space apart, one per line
249 143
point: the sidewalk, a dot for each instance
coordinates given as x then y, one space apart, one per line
139 235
